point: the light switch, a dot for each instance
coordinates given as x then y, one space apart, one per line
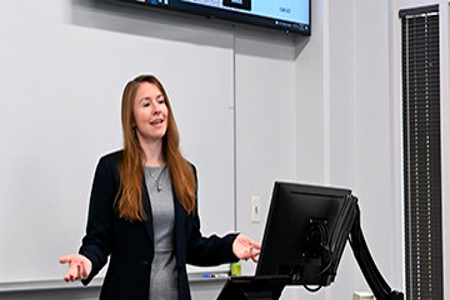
256 209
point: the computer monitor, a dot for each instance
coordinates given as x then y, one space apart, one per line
306 231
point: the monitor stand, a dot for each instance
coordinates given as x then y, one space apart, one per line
251 287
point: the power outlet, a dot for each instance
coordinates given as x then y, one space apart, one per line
256 209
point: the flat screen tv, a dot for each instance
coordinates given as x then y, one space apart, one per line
286 15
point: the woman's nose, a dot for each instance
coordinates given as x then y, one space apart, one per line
156 109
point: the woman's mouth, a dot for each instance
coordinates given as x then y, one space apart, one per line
156 122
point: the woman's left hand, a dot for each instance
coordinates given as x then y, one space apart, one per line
245 248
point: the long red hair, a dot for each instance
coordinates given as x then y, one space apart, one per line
129 198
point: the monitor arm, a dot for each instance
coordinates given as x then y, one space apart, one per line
378 285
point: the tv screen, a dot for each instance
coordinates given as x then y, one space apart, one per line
286 15
306 230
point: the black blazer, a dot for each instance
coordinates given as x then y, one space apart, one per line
131 244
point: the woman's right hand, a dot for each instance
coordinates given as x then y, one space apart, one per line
79 267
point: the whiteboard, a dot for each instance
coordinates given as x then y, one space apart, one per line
63 72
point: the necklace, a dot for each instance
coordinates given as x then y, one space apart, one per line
157 179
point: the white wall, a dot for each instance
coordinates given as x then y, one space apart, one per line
64 65
315 110
264 124
343 91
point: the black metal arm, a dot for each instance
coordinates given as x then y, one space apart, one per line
378 285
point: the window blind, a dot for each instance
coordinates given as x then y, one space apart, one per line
422 153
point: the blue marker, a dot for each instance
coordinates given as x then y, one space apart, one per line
215 276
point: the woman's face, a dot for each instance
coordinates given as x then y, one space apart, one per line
150 113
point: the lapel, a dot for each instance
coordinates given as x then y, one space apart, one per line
148 211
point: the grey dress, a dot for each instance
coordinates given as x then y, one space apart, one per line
164 274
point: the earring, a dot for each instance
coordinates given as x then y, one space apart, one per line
133 131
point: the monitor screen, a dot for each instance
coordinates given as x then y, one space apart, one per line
306 230
287 15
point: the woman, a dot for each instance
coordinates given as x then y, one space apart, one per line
143 209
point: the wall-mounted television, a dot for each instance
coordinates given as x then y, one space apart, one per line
286 15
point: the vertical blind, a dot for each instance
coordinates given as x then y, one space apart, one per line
422 153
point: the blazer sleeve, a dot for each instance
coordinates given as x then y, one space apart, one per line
96 244
208 251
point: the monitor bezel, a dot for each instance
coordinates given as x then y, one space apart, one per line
228 15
